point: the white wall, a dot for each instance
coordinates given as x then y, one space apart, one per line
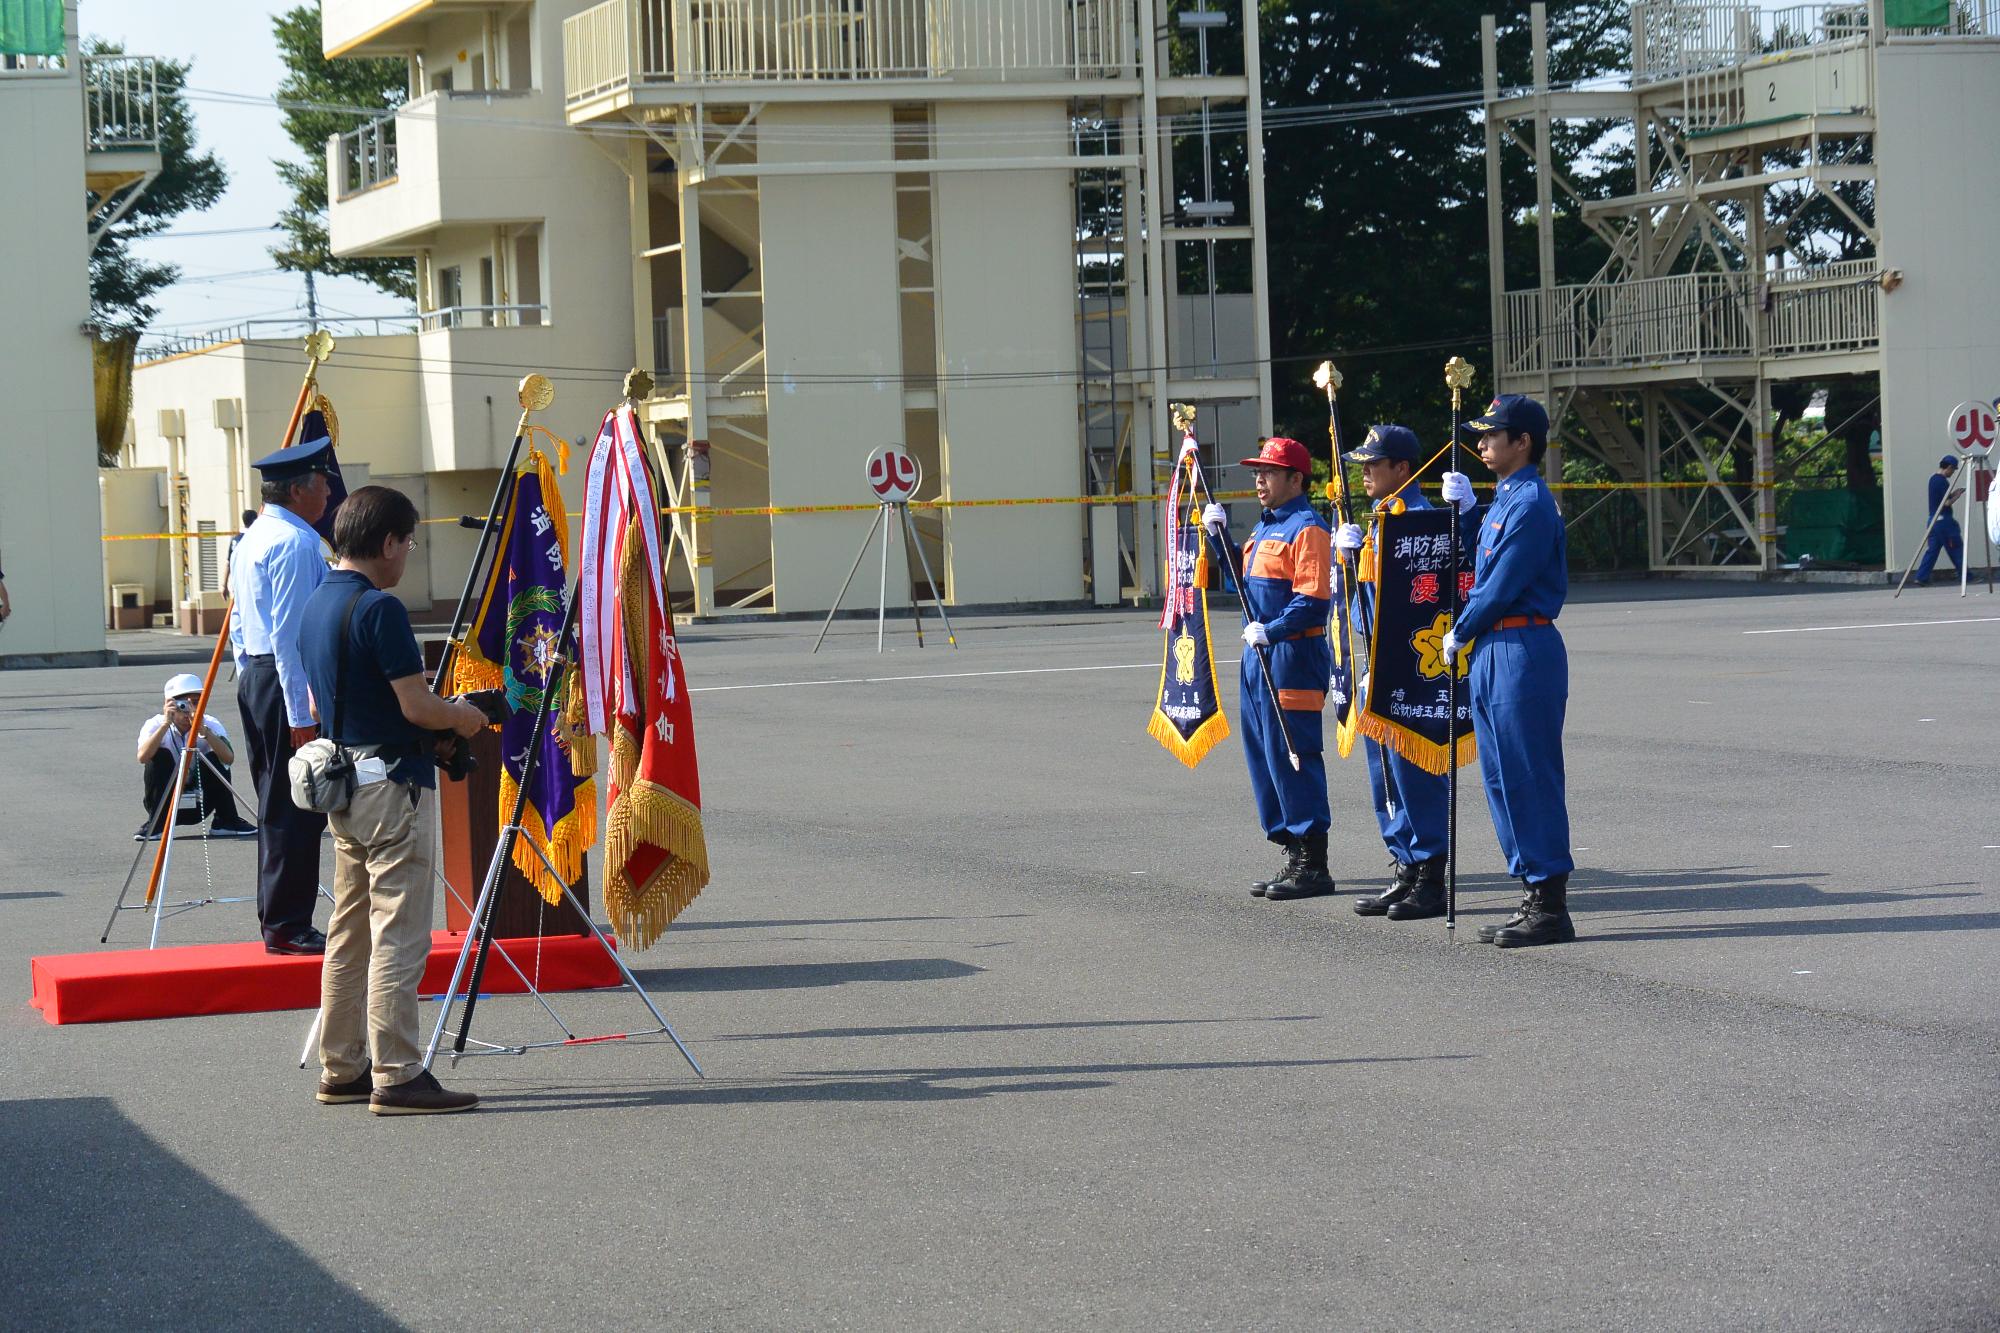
1937 201
49 534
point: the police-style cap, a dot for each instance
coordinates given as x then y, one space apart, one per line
1281 452
1398 444
298 461
1515 413
1948 461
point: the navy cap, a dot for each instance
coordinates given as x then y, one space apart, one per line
1948 461
1398 444
1515 413
315 455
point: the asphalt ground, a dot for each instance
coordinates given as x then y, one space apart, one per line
996 1039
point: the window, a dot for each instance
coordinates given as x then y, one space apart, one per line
449 294
207 554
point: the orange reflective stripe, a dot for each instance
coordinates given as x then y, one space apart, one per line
1312 563
1271 560
1302 701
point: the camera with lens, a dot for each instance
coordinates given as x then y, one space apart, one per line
454 756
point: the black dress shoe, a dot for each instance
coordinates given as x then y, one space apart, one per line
1375 904
237 830
357 1089
307 941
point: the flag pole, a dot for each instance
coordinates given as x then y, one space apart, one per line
535 393
318 347
1457 376
1330 380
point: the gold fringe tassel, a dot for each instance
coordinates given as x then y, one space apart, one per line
655 816
1425 754
575 834
1196 747
470 671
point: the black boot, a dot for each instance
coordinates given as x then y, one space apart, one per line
1548 917
1311 879
1375 904
1486 933
1293 852
1427 899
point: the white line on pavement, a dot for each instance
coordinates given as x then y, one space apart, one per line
942 675
1888 624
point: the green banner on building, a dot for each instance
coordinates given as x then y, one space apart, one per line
31 27
1917 13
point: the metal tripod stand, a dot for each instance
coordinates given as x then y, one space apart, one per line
887 525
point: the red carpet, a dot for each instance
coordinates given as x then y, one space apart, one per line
116 986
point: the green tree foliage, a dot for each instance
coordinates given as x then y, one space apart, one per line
315 90
1382 221
122 284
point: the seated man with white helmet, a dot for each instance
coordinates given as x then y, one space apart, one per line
206 792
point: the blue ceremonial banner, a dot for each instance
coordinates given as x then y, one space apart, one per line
1408 698
1187 712
321 424
512 644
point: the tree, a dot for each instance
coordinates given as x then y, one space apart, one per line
1383 220
315 92
122 284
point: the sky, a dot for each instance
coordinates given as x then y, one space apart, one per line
230 45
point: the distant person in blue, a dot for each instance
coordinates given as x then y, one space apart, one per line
1519 679
1410 803
1287 573
1945 538
277 564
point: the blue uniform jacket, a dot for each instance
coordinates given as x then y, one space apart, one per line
1520 557
1287 570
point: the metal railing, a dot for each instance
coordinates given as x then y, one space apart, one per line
1672 39
367 157
622 43
484 317
1691 317
121 103
155 347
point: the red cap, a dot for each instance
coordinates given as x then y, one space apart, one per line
1281 452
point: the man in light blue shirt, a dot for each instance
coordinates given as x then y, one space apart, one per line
276 565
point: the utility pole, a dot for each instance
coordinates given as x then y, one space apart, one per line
312 302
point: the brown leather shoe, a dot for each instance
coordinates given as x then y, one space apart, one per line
356 1089
422 1095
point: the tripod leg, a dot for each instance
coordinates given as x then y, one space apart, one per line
937 592
910 573
882 592
848 581
123 889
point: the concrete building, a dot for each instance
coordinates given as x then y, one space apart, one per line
72 132
953 227
1715 293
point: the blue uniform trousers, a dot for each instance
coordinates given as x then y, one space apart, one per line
1945 539
1411 806
287 837
1520 688
1289 803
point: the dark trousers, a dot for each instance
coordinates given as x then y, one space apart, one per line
287 837
214 796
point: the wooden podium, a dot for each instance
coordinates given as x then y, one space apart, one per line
469 818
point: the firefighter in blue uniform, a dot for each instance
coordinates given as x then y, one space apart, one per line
1519 679
1410 804
1287 573
1946 537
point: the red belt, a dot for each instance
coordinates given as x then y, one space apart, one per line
1521 622
1317 631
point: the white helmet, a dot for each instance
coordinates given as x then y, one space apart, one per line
185 683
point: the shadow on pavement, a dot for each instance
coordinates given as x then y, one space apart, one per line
799 976
896 1085
966 1029
107 1229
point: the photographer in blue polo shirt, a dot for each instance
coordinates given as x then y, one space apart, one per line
376 705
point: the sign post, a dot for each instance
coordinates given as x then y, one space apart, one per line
893 476
1974 428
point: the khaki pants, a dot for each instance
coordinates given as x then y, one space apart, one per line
380 936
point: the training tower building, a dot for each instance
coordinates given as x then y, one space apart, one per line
1744 121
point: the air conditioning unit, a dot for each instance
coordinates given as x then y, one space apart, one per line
229 413
173 423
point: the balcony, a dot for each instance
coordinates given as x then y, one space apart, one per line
614 52
444 159
1598 331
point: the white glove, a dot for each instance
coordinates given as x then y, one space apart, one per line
1457 490
1348 537
1451 646
1254 635
1215 518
